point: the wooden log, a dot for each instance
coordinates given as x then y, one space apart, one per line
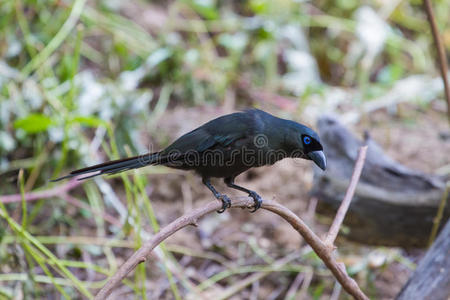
431 279
393 205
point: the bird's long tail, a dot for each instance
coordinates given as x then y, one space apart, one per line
115 166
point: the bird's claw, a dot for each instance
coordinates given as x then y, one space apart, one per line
258 201
226 203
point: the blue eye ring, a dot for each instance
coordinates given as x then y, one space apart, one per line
306 140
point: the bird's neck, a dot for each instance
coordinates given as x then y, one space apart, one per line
278 133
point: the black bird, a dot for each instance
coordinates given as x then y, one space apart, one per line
224 148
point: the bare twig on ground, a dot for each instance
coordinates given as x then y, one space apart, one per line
59 191
33 196
240 285
311 211
305 285
342 211
440 52
321 249
336 291
292 291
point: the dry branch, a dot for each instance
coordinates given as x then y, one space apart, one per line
440 51
323 250
191 218
342 211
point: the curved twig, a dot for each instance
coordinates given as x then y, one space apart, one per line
324 252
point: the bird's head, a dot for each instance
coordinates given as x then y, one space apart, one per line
306 144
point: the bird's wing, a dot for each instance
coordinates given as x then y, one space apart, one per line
222 131
220 138
201 140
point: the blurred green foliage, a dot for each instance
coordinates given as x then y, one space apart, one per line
63 55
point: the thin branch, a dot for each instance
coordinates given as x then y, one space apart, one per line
342 211
191 218
440 51
292 291
305 285
53 192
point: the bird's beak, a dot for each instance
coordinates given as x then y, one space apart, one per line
319 158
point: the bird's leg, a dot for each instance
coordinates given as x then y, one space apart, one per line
229 181
226 202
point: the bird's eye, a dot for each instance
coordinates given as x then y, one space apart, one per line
306 140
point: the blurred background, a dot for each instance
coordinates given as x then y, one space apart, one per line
82 82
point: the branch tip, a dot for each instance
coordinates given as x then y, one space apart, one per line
345 204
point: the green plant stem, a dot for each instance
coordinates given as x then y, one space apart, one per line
57 40
135 191
156 228
23 24
41 262
75 65
439 214
23 201
51 257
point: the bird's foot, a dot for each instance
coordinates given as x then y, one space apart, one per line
226 203
258 200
